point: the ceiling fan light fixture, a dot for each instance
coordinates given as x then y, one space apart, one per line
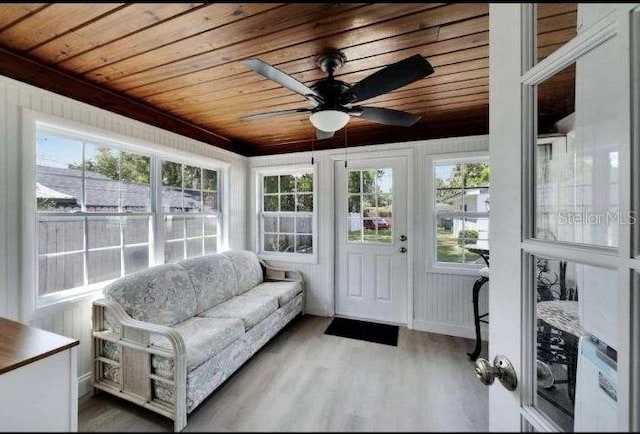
329 120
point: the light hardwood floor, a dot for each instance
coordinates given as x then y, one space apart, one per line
304 380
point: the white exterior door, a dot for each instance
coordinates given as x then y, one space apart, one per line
371 225
565 256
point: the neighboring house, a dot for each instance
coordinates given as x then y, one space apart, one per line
475 200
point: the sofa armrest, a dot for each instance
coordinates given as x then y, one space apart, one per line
275 273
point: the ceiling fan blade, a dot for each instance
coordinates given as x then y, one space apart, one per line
323 134
390 78
274 114
385 116
272 73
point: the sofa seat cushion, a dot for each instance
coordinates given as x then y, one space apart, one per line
284 291
251 309
203 338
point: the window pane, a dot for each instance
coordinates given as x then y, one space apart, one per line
270 224
56 273
449 200
448 175
194 226
58 152
354 229
556 25
354 204
211 225
173 251
136 258
171 174
270 242
304 244
270 184
369 180
305 183
173 227
57 193
354 181
385 181
287 184
287 224
384 204
194 247
210 245
210 180
271 203
476 174
101 162
103 265
305 202
447 247
304 225
210 201
287 243
288 202
136 190
103 233
476 199
192 201
369 205
102 195
136 230
60 236
172 199
369 231
192 177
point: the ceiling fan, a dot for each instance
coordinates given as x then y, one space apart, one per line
332 100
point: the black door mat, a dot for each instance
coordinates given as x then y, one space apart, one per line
364 331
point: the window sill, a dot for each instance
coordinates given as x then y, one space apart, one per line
454 269
47 306
289 257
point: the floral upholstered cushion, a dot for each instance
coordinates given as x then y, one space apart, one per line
284 291
250 309
161 295
203 338
214 279
247 267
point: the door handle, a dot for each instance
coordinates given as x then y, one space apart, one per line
403 250
502 369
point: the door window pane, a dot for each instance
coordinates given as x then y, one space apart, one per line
576 155
575 341
370 215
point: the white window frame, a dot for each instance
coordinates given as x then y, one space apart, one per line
259 173
433 266
33 305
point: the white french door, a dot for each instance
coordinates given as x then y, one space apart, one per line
565 256
371 236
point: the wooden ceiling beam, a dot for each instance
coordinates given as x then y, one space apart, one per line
34 73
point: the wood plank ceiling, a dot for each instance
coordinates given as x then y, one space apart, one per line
177 65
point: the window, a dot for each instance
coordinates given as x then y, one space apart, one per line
104 211
461 210
191 211
94 211
287 216
370 206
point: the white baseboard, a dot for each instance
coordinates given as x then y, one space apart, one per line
317 311
450 329
84 384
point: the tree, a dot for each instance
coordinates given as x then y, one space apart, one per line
118 166
463 175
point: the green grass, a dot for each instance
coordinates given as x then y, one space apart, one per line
369 235
450 251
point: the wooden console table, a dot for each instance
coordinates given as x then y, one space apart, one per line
38 379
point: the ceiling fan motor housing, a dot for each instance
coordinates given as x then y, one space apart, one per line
331 91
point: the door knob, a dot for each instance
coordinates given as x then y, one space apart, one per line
403 238
502 369
403 250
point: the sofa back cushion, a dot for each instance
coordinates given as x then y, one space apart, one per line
214 279
161 295
247 267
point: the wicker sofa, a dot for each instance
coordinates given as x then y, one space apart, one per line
168 336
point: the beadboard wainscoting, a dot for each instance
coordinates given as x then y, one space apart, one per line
73 319
441 301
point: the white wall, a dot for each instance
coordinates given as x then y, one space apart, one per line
442 302
74 319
